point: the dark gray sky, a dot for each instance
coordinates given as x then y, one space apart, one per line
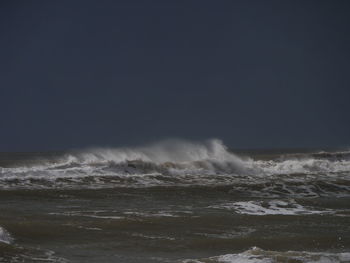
256 74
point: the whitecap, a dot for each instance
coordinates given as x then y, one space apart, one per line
257 255
270 207
5 236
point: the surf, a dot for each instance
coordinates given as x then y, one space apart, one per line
184 163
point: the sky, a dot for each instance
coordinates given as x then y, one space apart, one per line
256 74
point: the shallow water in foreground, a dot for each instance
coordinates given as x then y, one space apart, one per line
178 202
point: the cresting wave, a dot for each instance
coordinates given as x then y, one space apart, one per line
181 163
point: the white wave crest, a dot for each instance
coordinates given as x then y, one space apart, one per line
271 207
5 237
307 165
257 255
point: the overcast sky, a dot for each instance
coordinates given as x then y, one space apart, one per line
256 74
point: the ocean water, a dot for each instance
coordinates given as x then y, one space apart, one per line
175 201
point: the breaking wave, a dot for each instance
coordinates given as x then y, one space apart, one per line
181 163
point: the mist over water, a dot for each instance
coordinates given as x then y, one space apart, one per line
175 201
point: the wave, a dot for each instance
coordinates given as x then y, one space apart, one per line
176 162
257 255
5 237
210 155
272 207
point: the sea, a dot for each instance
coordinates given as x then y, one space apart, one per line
175 201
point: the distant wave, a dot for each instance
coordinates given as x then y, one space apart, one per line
181 163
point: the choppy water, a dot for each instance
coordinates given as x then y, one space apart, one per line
175 202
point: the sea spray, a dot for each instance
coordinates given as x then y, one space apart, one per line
183 163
